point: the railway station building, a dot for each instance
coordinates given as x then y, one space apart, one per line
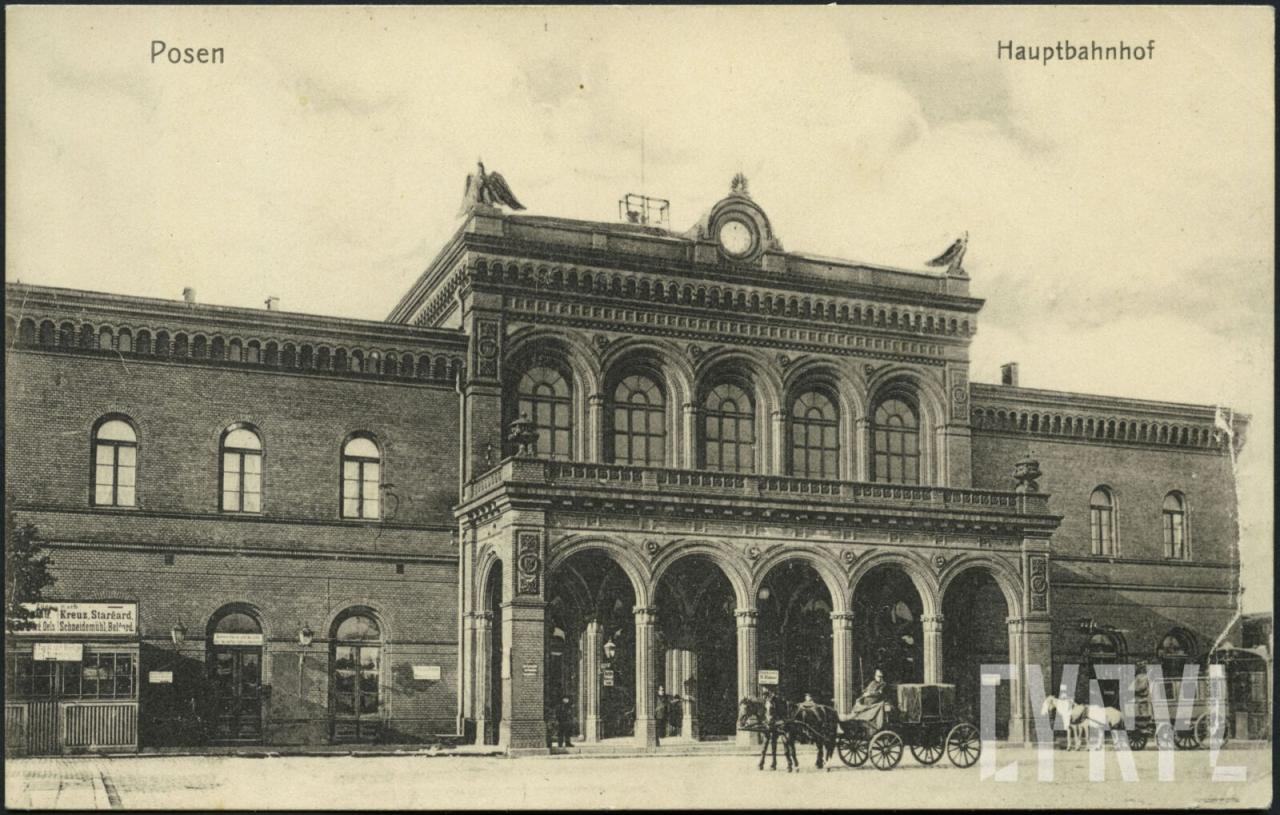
580 459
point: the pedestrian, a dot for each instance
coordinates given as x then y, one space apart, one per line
564 722
660 708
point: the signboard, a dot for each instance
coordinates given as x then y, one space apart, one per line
766 677
237 639
530 669
83 618
428 672
160 677
608 679
58 652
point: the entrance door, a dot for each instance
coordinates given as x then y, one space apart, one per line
355 675
235 674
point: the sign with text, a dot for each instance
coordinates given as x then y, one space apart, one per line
428 672
608 679
220 638
58 652
160 677
766 677
83 618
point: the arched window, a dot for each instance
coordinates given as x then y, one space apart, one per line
115 464
1175 526
543 394
895 442
1102 522
729 429
1174 651
361 478
639 422
815 436
241 470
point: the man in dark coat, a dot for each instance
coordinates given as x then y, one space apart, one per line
661 706
564 721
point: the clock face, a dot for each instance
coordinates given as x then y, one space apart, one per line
736 238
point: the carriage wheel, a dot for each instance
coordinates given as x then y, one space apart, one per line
853 747
1137 739
1164 736
1210 726
963 745
929 748
885 750
1185 739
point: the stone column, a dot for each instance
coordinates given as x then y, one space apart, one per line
645 728
679 678
581 705
593 444
1018 719
688 451
862 449
746 664
776 446
592 652
483 623
843 690
932 648
524 727
1037 655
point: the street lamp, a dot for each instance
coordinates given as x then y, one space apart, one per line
610 650
306 635
763 594
178 633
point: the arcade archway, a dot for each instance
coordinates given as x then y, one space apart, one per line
888 632
794 632
976 633
696 646
591 644
489 646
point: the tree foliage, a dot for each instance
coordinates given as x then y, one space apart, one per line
26 572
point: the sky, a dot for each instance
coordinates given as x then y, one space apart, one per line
1120 213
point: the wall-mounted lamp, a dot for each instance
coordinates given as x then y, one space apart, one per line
306 635
763 594
178 633
610 650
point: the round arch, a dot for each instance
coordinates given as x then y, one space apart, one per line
677 373
913 566
931 402
488 562
822 562
617 551
1005 576
721 556
346 606
233 607
768 385
570 346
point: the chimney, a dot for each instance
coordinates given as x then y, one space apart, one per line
273 303
189 294
1009 374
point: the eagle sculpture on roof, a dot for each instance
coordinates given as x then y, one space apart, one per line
487 188
953 258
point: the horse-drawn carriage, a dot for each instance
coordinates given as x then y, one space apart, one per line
1207 719
924 720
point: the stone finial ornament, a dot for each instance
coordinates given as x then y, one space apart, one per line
1026 473
524 434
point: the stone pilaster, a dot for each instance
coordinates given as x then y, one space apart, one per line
746 618
843 690
688 452
592 651
862 449
593 444
776 448
482 623
645 727
1019 721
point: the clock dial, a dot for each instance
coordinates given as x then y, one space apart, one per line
736 238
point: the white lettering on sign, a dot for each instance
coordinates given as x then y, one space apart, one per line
767 677
237 639
430 673
160 677
58 652
83 618
608 679
530 669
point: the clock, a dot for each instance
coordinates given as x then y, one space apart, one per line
736 238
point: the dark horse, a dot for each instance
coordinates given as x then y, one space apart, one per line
770 717
814 724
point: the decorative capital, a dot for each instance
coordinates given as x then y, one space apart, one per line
842 616
746 616
645 615
931 619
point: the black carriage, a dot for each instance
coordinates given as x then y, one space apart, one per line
923 720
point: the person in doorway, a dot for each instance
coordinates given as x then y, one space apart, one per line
564 722
661 707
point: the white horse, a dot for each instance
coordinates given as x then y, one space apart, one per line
1072 715
1099 719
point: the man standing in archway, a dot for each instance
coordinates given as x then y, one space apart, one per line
660 709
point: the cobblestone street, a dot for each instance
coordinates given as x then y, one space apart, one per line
458 782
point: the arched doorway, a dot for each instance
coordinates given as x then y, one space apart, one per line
355 674
591 604
697 649
887 630
975 632
235 674
794 632
1102 648
489 647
